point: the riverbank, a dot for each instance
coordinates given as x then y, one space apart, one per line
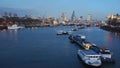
110 28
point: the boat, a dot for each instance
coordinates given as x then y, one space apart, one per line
14 27
69 32
65 32
80 40
61 32
88 25
96 25
77 38
74 29
86 45
90 57
106 54
81 27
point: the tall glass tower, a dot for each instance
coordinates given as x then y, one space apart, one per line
73 16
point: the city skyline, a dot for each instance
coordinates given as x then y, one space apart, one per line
97 8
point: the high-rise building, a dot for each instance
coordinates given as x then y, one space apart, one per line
89 19
64 16
73 16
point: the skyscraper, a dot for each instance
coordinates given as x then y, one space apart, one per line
64 16
73 16
89 19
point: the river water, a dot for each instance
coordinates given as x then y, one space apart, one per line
42 48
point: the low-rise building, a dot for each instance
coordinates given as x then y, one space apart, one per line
113 19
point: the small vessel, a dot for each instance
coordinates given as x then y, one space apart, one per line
15 27
106 54
90 57
74 29
65 32
88 25
61 32
69 32
96 25
81 27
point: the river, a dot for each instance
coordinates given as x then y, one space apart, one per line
42 48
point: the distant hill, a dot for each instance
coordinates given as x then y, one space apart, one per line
19 12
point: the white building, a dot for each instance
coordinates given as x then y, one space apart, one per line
89 18
112 16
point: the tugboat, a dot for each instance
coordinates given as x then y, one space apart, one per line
90 57
106 54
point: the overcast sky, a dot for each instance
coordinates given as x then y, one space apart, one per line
98 8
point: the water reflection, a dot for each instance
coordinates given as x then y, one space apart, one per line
4 30
13 35
117 34
3 33
110 41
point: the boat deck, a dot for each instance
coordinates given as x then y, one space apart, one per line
89 52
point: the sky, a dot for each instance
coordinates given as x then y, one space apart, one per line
54 8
